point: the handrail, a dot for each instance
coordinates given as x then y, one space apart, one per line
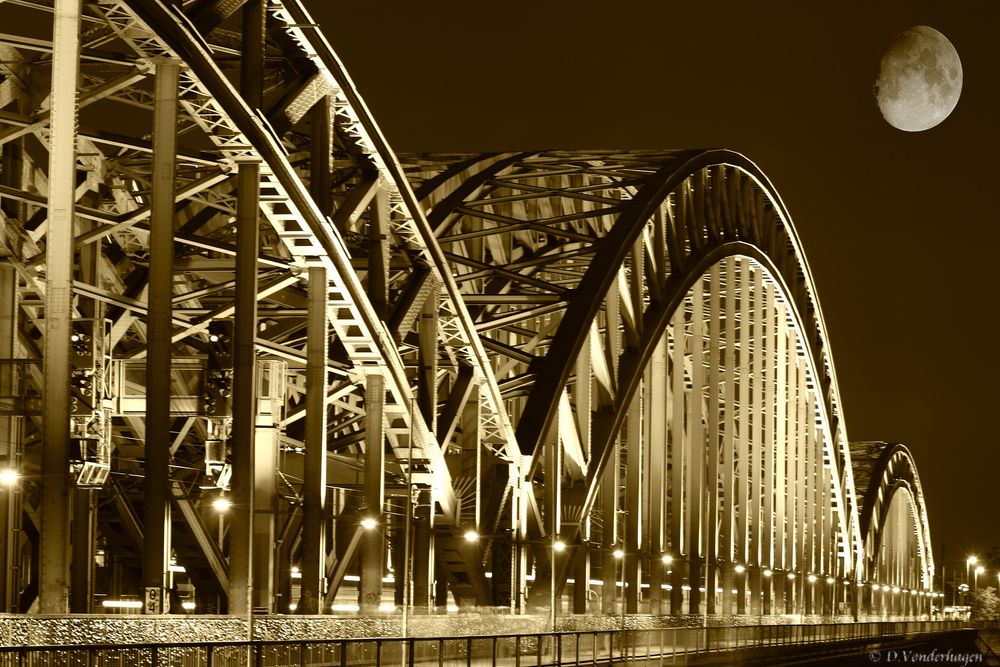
543 648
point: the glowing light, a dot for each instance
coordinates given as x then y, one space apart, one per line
188 605
740 569
471 536
214 338
368 523
618 553
122 604
980 569
895 589
292 606
667 559
558 546
971 560
766 572
812 578
222 504
830 580
296 572
791 575
8 477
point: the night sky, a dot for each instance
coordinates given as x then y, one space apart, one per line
900 229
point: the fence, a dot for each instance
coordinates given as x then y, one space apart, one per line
603 647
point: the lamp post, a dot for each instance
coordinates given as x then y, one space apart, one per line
558 546
741 588
666 559
975 587
619 555
221 504
971 560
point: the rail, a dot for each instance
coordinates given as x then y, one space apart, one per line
594 647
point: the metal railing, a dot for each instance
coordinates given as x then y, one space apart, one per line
599 647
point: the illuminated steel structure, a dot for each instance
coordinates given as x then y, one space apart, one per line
220 288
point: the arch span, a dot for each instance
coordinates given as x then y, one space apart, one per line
608 284
894 526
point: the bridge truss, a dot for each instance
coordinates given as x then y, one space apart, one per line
504 380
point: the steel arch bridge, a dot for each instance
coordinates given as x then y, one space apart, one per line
506 380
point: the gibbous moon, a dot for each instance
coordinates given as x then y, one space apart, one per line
919 80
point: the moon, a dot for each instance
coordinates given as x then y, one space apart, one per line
919 80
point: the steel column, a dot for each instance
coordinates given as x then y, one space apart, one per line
784 514
319 167
156 486
678 459
265 455
313 562
373 541
743 483
609 532
694 442
253 51
656 437
728 540
767 351
53 581
635 462
379 255
10 444
84 545
712 415
796 462
244 392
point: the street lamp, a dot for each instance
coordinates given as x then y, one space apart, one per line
619 554
222 504
8 477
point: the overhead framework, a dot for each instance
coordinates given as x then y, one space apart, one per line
254 361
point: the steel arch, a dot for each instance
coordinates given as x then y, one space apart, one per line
889 469
747 217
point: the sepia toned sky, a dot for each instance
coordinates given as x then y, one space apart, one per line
901 229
